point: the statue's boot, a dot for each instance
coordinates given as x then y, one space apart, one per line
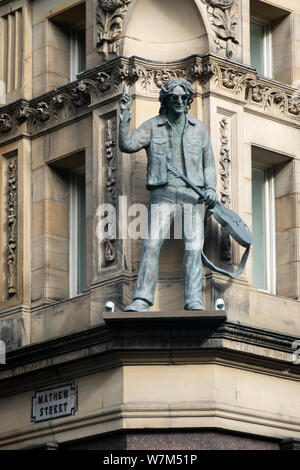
138 305
194 306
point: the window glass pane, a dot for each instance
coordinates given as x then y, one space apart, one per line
259 228
81 233
81 50
77 48
257 47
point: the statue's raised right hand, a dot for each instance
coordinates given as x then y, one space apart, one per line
126 100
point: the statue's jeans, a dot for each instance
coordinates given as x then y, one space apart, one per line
168 204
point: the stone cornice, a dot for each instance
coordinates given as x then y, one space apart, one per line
180 341
210 73
202 413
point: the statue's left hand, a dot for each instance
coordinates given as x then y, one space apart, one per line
210 198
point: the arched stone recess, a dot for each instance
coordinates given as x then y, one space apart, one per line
164 30
168 30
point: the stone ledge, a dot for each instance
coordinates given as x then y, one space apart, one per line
120 317
290 444
203 414
182 333
148 341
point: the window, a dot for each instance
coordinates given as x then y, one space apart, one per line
77 269
11 50
261 46
271 29
65 241
77 52
274 224
263 222
69 28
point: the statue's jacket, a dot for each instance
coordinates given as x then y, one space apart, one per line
155 136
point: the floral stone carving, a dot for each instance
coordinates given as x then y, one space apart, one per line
12 228
223 16
225 165
110 16
5 123
110 151
210 73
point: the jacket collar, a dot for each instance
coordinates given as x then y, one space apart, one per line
163 120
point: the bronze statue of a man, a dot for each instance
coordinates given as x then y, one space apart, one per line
171 138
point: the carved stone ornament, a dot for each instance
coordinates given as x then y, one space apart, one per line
12 228
63 107
224 172
110 16
39 113
272 99
5 123
210 74
110 151
225 162
223 16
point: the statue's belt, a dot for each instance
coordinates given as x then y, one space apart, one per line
229 220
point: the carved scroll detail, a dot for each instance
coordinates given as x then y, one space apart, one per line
223 16
110 18
12 228
211 73
225 162
224 172
110 150
5 123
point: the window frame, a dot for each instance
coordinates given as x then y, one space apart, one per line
73 234
267 45
270 226
74 51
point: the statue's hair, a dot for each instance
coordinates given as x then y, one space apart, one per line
167 90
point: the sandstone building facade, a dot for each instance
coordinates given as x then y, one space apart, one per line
176 382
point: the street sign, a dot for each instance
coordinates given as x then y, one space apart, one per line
53 403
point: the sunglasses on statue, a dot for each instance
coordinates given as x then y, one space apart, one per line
177 97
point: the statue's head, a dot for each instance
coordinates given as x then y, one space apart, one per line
176 92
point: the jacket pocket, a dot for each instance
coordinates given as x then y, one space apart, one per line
194 140
159 145
194 146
